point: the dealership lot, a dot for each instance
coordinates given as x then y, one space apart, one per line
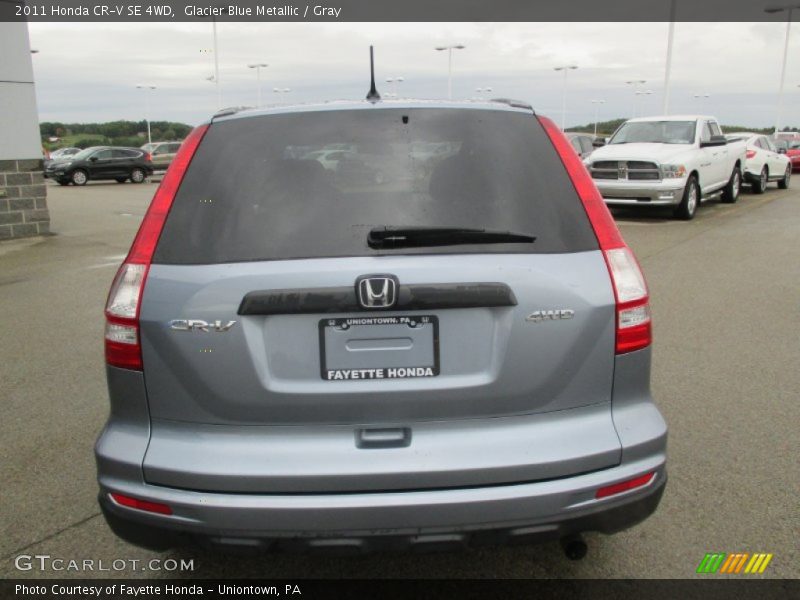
725 300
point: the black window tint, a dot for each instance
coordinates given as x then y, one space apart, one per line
264 188
715 130
173 148
102 154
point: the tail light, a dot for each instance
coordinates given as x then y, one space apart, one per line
750 154
148 157
122 337
634 328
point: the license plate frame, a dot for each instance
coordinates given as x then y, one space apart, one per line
426 322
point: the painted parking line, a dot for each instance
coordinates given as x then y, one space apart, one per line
109 261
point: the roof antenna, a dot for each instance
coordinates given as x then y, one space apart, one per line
372 95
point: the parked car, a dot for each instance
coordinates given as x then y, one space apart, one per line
674 161
101 162
59 154
161 153
324 363
64 152
764 163
793 152
329 159
582 142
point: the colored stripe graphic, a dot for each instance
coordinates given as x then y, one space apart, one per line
730 565
711 562
758 563
720 562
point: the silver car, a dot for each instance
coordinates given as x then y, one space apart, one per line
301 359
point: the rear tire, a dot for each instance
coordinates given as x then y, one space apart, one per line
691 198
137 175
760 184
784 183
730 193
79 177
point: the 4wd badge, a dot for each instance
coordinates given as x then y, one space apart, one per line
550 315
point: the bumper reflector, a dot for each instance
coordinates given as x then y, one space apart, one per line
144 505
624 486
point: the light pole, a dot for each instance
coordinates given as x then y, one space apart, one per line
394 81
597 104
450 65
564 68
635 83
773 10
216 64
636 95
147 107
258 67
281 90
668 63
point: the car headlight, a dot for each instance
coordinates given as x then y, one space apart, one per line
673 171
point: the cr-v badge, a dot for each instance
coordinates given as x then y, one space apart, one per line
550 315
198 325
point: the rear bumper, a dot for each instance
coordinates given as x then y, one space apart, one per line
649 193
524 513
346 520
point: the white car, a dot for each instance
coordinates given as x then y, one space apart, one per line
674 161
763 162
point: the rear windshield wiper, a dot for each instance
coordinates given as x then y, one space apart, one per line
414 237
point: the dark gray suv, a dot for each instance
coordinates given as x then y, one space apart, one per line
456 351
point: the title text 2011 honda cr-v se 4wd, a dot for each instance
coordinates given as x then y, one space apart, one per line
301 356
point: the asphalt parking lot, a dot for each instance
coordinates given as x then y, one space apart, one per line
725 294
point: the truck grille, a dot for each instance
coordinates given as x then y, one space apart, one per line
631 170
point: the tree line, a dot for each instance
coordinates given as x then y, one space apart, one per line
113 133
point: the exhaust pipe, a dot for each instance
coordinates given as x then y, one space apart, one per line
574 546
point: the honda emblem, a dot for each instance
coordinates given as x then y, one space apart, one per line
377 291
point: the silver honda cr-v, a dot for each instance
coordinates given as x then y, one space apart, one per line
365 325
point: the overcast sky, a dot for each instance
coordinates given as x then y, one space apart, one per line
87 72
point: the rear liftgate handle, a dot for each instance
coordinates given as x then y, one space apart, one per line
392 437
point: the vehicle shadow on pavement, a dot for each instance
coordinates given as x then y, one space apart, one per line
526 561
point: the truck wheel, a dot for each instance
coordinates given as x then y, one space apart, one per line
691 198
760 184
730 193
784 183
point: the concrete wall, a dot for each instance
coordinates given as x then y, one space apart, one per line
23 204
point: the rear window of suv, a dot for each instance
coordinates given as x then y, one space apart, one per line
313 184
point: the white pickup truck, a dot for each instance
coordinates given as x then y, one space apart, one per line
674 161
